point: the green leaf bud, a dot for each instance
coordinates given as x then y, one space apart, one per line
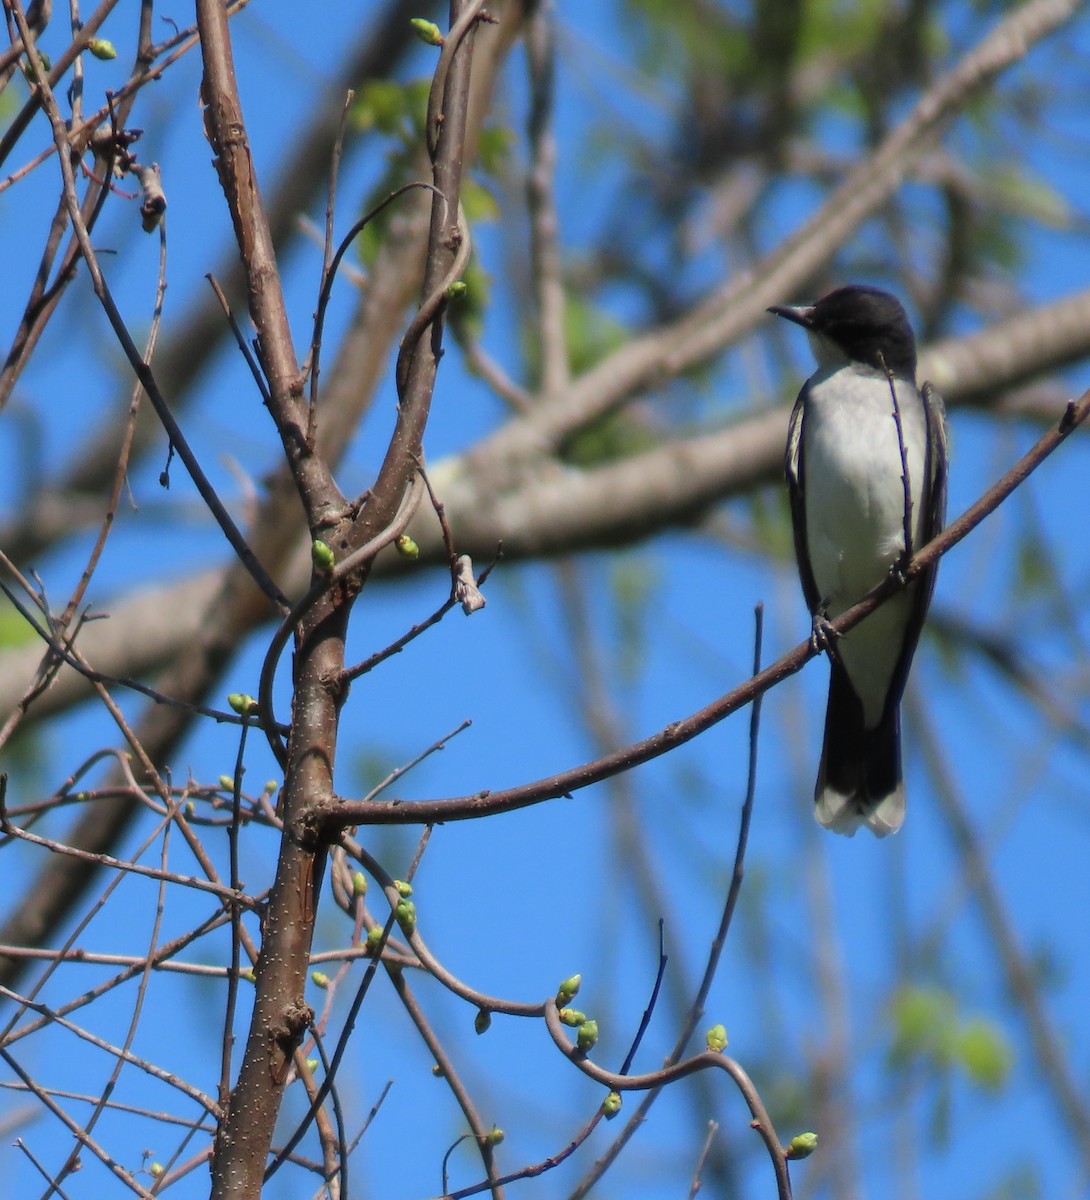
403 888
438 1072
568 989
242 703
155 1169
407 548
312 1065
611 1105
271 787
321 556
983 1053
247 973
359 883
101 48
319 979
802 1146
494 1136
374 936
457 289
482 1022
227 783
587 1035
716 1038
406 916
427 31
572 1017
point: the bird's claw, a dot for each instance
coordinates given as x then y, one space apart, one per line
823 636
898 571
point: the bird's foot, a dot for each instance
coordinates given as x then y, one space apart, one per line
823 636
898 570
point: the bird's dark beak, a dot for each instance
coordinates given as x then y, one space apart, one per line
802 315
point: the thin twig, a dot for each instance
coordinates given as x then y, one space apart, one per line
399 644
327 256
240 341
144 373
233 831
358 560
709 1059
450 1076
697 1005
533 1170
698 1170
85 1141
329 275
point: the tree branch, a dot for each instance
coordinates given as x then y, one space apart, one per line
729 314
340 813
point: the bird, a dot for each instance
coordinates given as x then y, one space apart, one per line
866 473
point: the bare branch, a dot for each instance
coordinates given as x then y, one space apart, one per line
467 807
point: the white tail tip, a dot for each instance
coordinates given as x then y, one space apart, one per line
845 814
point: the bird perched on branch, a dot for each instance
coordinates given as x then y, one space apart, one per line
866 474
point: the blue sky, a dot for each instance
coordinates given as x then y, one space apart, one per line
514 905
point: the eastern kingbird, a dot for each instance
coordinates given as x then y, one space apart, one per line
849 449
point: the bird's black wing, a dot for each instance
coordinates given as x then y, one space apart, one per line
934 517
793 469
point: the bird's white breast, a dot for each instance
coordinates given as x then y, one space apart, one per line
854 497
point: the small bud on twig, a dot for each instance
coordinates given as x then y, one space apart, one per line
427 31
406 916
466 591
611 1105
322 557
155 199
716 1038
482 1022
587 1035
102 49
407 548
568 990
802 1146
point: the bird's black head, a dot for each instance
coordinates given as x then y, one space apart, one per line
865 323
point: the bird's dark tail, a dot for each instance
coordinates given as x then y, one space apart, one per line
859 780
